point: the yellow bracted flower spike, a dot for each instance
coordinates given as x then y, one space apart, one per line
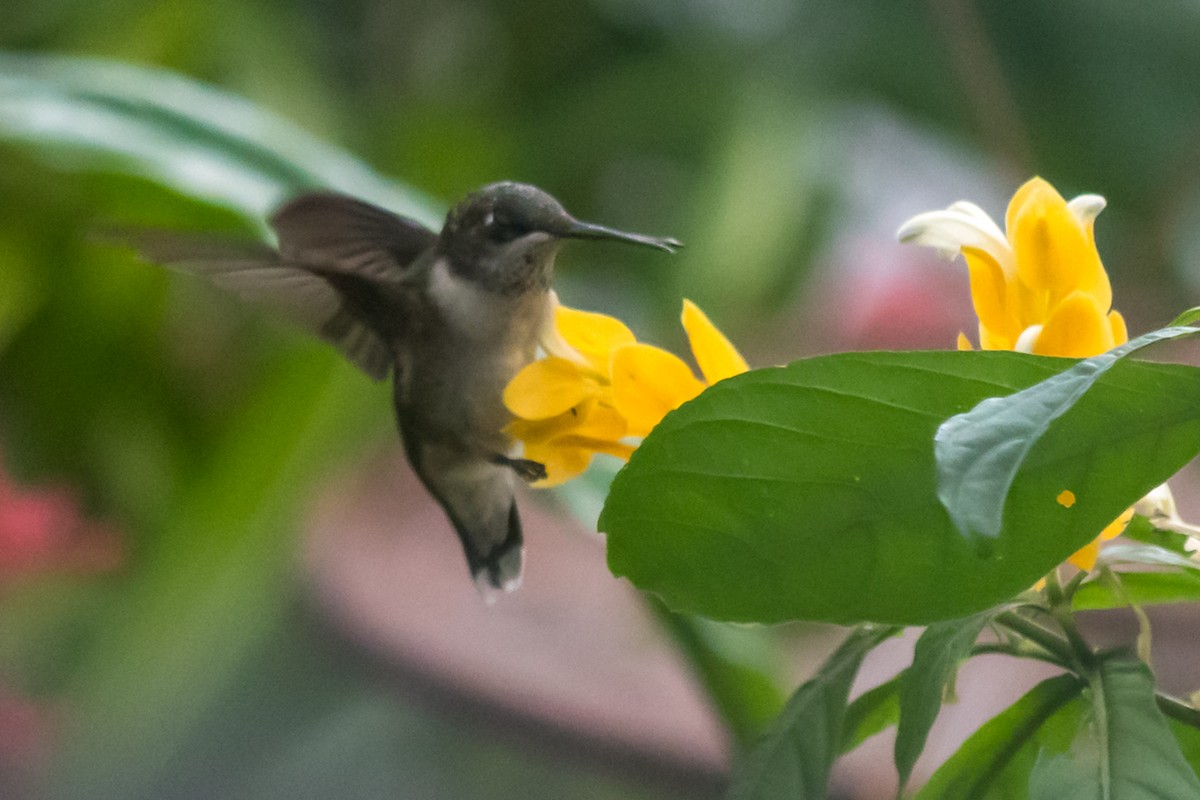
1038 286
598 389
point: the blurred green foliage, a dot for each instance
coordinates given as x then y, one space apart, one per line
196 425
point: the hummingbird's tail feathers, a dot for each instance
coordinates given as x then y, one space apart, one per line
338 233
478 496
500 570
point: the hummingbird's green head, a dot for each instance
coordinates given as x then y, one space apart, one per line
505 235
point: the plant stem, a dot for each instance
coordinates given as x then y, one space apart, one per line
1045 638
1026 649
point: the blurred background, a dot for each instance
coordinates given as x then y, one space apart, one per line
218 578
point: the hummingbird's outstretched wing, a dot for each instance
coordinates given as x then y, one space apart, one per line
342 271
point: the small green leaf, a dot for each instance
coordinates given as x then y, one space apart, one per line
794 758
1123 748
995 763
939 651
809 491
1143 588
1189 317
979 453
872 712
1141 529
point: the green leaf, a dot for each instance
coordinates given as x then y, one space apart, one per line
979 453
794 758
1123 748
939 651
1141 529
1188 738
95 114
809 491
872 712
1148 554
994 764
1143 588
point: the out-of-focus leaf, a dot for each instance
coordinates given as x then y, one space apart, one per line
939 651
219 576
736 666
994 764
794 758
809 491
1188 739
1149 554
1123 748
93 114
980 453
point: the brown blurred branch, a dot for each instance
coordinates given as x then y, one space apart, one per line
980 71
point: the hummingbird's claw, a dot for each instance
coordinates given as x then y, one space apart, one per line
529 470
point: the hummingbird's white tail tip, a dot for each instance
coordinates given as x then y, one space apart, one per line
500 576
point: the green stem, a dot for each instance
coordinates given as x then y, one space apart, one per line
1060 607
1045 638
1026 649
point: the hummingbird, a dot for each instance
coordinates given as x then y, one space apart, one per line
451 317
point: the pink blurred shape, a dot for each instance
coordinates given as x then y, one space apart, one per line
43 530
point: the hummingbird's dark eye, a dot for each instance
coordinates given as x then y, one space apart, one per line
504 229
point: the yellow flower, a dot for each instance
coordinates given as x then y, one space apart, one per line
1037 287
598 388
1040 288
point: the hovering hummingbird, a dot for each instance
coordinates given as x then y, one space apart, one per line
451 316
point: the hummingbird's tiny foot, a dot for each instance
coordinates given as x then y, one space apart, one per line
529 470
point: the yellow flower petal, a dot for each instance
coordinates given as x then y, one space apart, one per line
561 463
1120 333
991 341
1117 526
989 294
716 357
1052 248
595 336
547 388
1066 498
1077 328
963 342
1020 198
648 383
1085 557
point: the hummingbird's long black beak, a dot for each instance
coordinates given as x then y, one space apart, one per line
586 230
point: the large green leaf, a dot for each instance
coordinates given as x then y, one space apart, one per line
198 140
808 491
1123 748
793 760
939 651
979 453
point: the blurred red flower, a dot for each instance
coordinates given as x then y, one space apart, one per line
43 530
